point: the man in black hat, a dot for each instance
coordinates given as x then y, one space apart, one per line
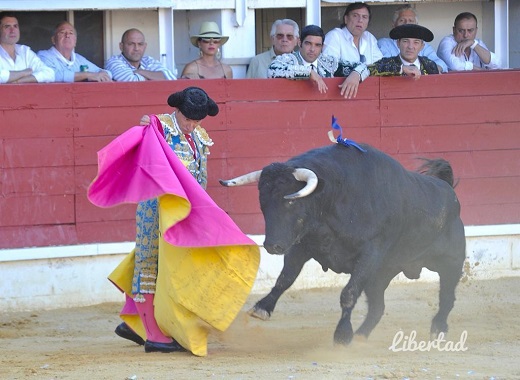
410 40
190 143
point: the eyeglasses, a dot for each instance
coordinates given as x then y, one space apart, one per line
209 40
280 36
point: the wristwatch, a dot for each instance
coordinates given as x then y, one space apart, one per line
474 44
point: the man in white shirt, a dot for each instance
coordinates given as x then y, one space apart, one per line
462 51
132 65
352 42
406 14
68 65
18 63
285 35
309 63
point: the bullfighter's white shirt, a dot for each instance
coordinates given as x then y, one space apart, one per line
25 58
339 43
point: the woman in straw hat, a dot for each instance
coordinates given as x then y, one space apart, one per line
208 65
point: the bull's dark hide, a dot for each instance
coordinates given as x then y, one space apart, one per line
369 217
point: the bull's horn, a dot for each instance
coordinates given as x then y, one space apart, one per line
242 180
305 175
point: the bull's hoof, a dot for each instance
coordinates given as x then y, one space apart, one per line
344 333
259 313
435 334
343 337
438 327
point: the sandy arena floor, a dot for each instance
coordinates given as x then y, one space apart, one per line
295 344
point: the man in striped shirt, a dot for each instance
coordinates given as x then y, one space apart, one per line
132 65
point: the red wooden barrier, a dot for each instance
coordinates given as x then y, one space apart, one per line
49 136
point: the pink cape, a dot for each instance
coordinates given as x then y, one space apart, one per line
140 165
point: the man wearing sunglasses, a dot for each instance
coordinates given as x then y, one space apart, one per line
309 63
285 37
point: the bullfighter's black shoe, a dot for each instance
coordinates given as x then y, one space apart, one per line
126 332
163 347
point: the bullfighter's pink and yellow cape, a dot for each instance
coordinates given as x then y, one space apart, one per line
207 266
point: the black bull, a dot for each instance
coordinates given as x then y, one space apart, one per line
361 213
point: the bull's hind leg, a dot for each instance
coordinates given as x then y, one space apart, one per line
293 264
449 277
375 292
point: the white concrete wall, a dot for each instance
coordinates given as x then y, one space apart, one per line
57 277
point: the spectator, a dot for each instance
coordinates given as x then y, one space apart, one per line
309 63
68 65
406 14
462 50
208 65
190 142
132 65
284 37
18 63
351 41
410 39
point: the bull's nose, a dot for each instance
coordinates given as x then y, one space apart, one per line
274 249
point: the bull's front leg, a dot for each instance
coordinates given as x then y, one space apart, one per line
292 266
364 271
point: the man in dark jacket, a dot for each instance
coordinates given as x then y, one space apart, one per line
410 40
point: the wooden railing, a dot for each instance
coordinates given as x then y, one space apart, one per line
49 136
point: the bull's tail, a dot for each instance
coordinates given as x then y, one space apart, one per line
439 168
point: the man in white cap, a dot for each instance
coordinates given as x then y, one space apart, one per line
410 39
